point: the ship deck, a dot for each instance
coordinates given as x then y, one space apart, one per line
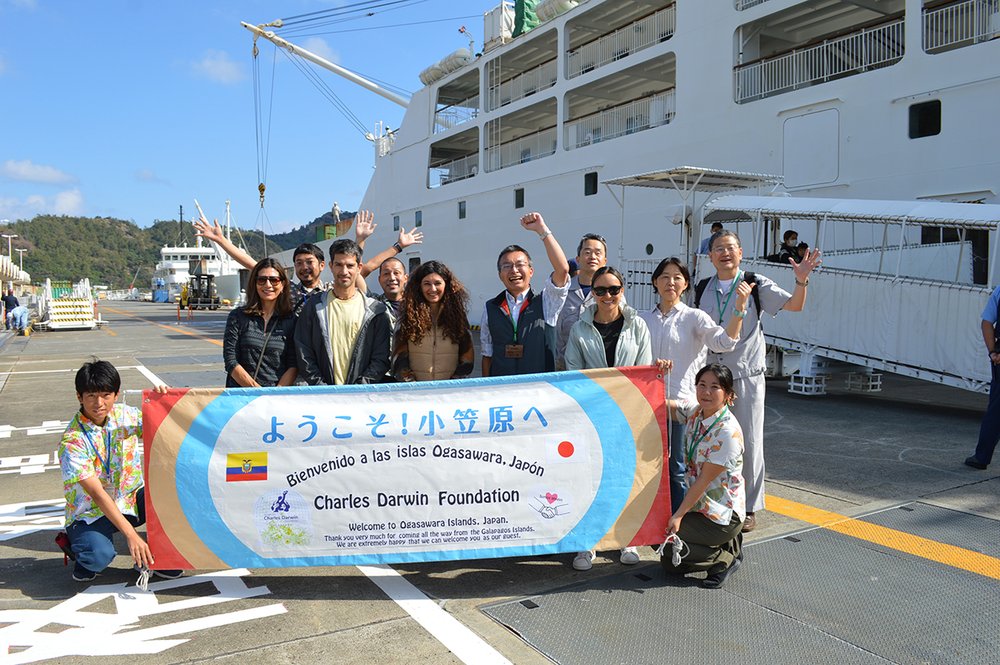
879 546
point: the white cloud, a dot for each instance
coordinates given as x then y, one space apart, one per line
219 67
148 175
27 171
68 202
319 46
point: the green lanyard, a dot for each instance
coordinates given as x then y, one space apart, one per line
724 305
697 438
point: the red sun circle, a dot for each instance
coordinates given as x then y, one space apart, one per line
566 449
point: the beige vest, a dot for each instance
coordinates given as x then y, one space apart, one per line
434 357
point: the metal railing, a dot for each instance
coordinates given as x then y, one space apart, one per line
524 84
525 149
624 41
458 169
854 53
961 24
629 118
456 114
747 4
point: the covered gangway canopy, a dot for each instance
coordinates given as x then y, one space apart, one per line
960 216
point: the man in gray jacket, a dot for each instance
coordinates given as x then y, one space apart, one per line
342 335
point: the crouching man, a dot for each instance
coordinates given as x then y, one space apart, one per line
102 475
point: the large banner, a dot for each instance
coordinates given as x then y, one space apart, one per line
322 476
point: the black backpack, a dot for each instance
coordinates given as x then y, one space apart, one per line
748 277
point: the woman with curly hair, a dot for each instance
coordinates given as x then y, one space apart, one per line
433 341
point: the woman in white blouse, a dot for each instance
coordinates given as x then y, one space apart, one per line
681 334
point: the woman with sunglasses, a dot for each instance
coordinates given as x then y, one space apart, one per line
433 341
608 334
710 519
680 336
258 348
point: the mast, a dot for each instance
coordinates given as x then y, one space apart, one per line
259 31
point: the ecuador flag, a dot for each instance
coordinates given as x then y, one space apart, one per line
246 466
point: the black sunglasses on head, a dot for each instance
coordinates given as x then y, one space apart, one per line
605 290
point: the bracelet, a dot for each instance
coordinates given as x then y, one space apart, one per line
739 313
399 248
543 236
805 283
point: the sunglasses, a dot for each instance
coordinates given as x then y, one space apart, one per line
602 291
267 279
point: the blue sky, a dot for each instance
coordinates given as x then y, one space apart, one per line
129 109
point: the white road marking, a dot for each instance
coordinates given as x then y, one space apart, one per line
155 380
20 519
27 464
452 633
105 634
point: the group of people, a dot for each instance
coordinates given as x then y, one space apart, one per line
15 314
417 330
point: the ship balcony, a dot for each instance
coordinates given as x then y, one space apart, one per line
522 71
629 118
959 24
855 50
454 158
457 102
521 150
747 4
635 36
521 136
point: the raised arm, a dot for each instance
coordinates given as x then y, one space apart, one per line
213 232
404 240
534 222
802 269
735 325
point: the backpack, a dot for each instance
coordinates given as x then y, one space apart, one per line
748 277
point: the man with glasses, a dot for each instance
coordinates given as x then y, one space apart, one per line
591 254
517 334
716 296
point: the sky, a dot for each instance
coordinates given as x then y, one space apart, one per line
130 109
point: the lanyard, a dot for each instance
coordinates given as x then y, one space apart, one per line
724 305
697 438
105 463
506 310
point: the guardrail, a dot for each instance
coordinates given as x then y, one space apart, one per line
456 114
629 118
525 149
961 24
854 53
524 84
747 4
453 171
624 41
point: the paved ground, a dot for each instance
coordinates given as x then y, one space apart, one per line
845 454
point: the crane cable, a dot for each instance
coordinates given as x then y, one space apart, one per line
262 134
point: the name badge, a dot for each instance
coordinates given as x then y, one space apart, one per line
514 351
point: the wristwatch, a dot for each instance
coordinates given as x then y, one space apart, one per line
739 313
399 248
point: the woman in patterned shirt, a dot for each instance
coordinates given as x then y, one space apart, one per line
710 519
258 347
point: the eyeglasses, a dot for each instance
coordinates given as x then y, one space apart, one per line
520 265
725 249
602 291
267 279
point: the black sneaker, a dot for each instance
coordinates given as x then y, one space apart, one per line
975 463
716 580
168 574
81 574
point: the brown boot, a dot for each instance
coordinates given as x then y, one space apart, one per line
750 523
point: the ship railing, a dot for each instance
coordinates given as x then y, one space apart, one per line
456 114
523 85
629 118
453 171
747 4
961 24
860 51
521 150
647 31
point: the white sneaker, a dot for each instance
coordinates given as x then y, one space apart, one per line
630 556
584 560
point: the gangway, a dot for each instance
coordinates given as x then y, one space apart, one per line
883 320
71 308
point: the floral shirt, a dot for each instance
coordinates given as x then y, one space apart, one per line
722 444
111 453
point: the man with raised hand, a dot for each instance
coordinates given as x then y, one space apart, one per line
517 332
716 296
342 335
591 254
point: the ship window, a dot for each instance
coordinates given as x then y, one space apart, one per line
649 250
519 197
414 263
925 119
418 218
461 209
590 183
395 222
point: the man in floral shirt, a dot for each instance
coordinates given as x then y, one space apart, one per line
101 464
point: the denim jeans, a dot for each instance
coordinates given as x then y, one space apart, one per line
989 430
93 544
676 464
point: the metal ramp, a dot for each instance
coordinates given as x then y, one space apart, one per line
813 597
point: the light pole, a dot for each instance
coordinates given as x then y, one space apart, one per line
9 238
20 256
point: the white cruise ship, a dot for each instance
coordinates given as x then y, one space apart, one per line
174 268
